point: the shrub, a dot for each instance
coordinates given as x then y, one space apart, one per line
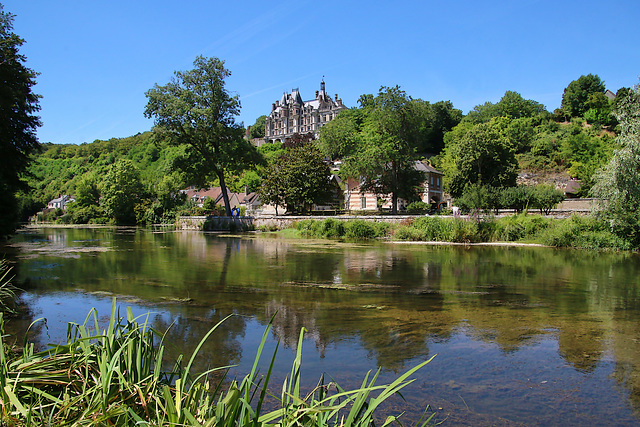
360 229
464 231
584 232
331 228
418 207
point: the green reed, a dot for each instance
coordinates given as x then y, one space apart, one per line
115 377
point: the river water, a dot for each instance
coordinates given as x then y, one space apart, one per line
521 335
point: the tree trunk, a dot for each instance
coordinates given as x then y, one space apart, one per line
225 195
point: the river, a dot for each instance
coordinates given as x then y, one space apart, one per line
521 335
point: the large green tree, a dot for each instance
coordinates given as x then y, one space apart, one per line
617 186
483 155
576 94
121 192
257 129
18 122
384 158
195 109
298 179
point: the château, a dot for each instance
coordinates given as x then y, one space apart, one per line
292 115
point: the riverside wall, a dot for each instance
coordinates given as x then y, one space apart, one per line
278 222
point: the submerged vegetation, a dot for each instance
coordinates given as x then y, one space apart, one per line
117 377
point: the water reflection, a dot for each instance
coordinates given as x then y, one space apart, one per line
510 324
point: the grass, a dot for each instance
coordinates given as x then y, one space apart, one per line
583 232
7 290
116 378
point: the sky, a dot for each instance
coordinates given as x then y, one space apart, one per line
97 59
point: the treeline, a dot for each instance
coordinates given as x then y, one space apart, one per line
134 180
480 154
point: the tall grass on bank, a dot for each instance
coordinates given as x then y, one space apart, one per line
116 378
584 232
7 290
351 229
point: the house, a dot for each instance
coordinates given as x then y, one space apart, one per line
292 115
251 201
60 202
432 193
368 201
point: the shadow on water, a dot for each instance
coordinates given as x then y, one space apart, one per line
523 335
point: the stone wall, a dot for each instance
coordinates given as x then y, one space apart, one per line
214 223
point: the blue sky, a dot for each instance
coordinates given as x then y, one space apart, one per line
96 59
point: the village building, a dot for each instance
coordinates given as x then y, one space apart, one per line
60 202
197 196
431 192
292 115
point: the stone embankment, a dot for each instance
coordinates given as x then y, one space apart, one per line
272 222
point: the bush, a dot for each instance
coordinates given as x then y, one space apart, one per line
418 207
585 233
359 229
331 228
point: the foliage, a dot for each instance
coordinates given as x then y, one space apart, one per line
440 230
418 207
576 232
339 137
257 129
298 179
519 198
576 95
87 192
384 161
116 377
121 192
195 110
18 122
482 156
617 186
479 197
7 290
335 228
512 105
584 233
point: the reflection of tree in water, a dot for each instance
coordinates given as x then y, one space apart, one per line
580 344
187 330
626 345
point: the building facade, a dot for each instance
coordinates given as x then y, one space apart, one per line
431 192
292 115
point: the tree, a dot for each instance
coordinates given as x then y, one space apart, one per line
512 104
617 186
298 179
195 109
445 118
342 135
576 94
121 192
18 122
484 156
384 160
257 129
515 106
87 193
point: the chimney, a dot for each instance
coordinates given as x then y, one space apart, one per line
273 106
277 103
317 93
336 97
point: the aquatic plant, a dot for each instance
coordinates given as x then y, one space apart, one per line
7 290
116 377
